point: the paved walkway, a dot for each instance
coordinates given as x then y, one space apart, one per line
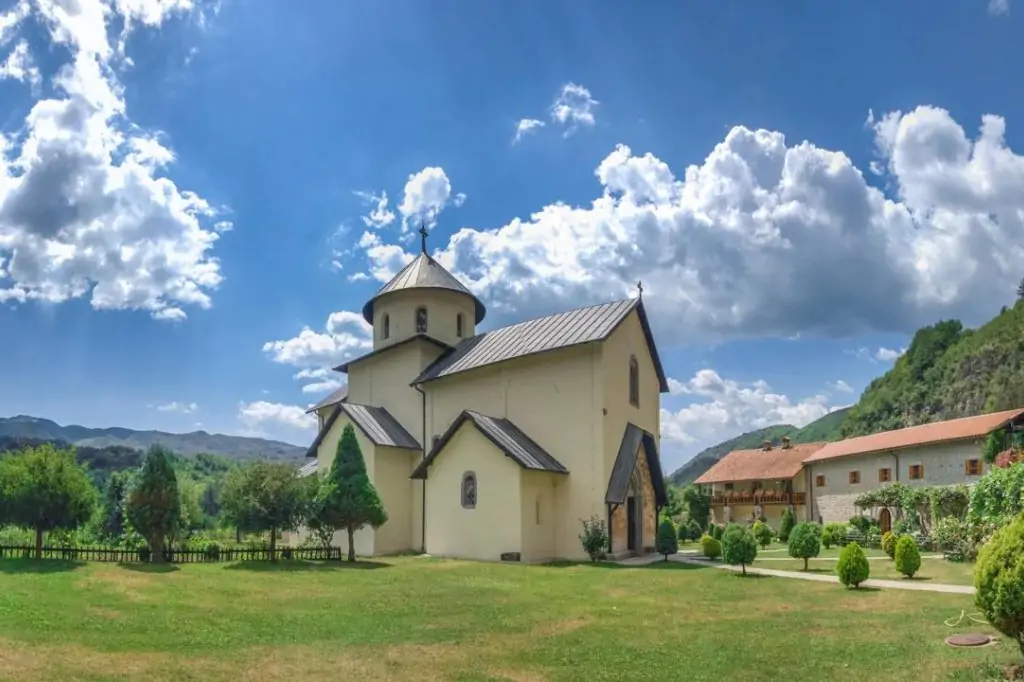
817 577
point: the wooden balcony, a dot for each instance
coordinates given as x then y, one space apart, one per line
760 497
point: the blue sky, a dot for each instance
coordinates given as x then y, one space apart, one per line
188 193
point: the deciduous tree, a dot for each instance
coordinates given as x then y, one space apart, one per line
44 489
266 496
805 542
738 546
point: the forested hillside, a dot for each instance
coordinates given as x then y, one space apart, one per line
947 372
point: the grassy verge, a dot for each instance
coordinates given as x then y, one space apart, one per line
425 619
935 570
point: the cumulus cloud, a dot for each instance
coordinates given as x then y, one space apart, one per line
84 209
426 194
260 414
174 406
573 107
525 127
724 408
888 354
999 7
841 386
380 215
346 335
770 239
21 66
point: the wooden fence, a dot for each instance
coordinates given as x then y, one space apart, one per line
183 556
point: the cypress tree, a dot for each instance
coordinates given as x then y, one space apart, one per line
347 498
154 504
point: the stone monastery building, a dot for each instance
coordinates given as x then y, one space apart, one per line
496 445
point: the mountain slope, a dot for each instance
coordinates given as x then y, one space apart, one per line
706 458
188 444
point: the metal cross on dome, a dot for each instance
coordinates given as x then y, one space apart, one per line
423 237
640 288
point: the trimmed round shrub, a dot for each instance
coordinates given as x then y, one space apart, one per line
739 547
805 542
999 581
853 567
715 531
889 543
764 534
837 531
907 556
665 542
826 539
711 547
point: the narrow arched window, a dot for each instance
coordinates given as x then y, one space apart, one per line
634 381
458 325
469 490
421 320
387 326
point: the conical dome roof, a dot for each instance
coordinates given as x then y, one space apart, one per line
423 273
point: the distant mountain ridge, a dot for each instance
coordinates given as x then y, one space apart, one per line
187 444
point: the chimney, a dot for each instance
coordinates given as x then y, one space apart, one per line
766 445
785 443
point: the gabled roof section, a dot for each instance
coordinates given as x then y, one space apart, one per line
964 428
625 462
575 327
759 464
397 344
375 422
423 272
339 396
307 469
505 435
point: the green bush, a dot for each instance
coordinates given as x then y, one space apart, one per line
861 523
694 530
665 542
805 542
715 531
711 547
739 546
763 534
594 538
999 581
826 539
889 543
907 556
837 531
853 567
786 525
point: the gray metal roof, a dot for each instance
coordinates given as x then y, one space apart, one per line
625 464
333 399
582 325
379 426
343 368
376 422
307 469
424 273
505 435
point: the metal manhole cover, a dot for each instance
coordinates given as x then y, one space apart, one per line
968 639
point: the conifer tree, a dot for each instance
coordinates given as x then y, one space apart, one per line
154 504
665 542
347 499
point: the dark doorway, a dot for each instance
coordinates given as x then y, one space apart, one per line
631 524
885 520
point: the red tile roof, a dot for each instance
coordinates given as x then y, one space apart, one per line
759 464
923 434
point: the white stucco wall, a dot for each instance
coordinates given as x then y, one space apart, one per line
943 465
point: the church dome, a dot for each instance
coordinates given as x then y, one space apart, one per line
423 273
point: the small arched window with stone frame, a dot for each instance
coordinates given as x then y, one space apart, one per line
634 381
458 325
421 320
387 326
469 490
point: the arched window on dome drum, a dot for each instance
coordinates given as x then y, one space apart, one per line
387 326
634 381
421 320
458 325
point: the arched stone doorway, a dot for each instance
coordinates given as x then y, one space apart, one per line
885 520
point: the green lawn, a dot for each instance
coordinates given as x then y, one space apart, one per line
934 570
425 619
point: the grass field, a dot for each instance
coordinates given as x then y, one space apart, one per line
426 619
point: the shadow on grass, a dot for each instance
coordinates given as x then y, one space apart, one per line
292 566
38 566
148 568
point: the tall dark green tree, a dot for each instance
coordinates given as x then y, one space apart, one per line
153 503
44 489
1020 289
266 496
347 499
697 501
112 523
